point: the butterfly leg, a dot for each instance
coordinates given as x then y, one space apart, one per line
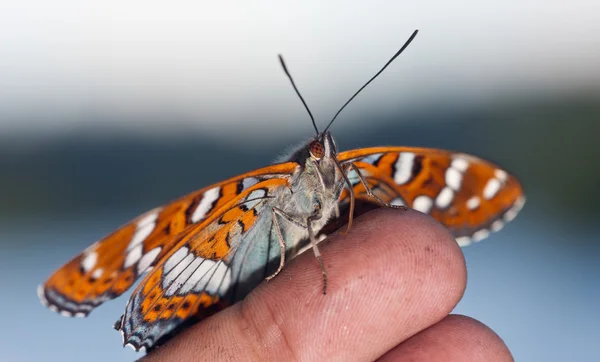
313 243
274 212
282 246
344 170
371 193
311 236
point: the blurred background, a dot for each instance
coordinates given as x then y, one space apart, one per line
108 109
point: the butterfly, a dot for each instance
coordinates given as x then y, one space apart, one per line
210 248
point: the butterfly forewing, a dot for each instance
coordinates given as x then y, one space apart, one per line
109 267
470 196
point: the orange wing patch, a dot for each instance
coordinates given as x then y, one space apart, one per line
109 267
468 195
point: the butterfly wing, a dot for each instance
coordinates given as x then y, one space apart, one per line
470 196
109 267
213 264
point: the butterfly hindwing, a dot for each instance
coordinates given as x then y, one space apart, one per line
470 196
109 267
213 264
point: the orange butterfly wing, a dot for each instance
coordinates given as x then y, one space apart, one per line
470 196
109 267
212 265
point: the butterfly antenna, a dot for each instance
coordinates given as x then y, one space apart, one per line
375 76
287 72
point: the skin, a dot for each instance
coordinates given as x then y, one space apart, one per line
393 280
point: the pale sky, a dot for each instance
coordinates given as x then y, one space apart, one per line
213 65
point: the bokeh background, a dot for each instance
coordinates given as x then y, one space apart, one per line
110 108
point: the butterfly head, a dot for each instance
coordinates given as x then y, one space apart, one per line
318 157
322 147
316 151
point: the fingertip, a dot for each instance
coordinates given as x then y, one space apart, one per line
409 237
455 338
487 344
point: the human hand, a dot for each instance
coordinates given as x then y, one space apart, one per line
392 282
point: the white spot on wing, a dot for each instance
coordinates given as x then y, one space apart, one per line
255 198
133 256
497 225
97 273
491 188
372 159
453 178
514 210
178 269
501 175
519 203
460 163
225 283
144 228
404 167
205 204
510 215
473 202
175 259
220 279
215 275
422 203
147 260
480 235
249 182
183 277
140 235
463 241
149 218
66 313
257 194
89 261
42 295
202 273
353 177
444 198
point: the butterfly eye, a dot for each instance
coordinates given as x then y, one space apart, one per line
316 149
